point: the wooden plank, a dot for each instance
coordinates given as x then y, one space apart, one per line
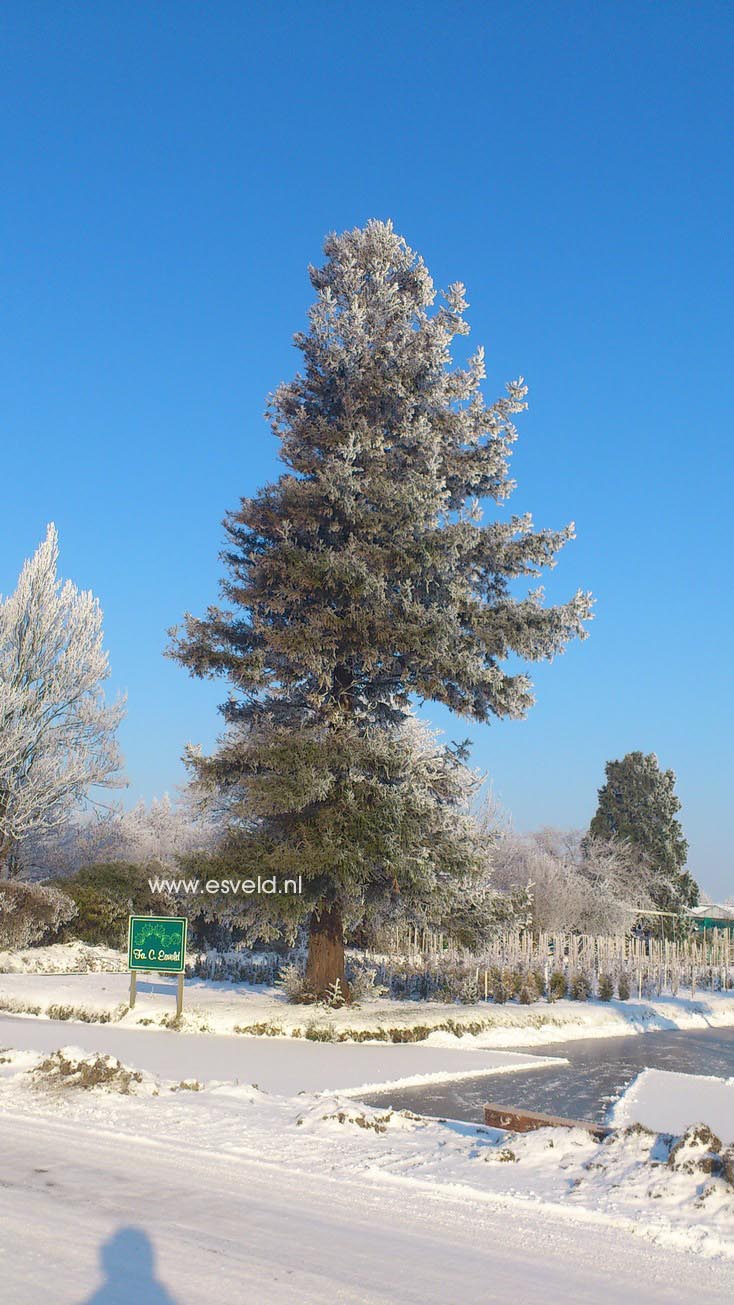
517 1120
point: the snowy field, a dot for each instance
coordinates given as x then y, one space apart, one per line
226 1008
156 1191
166 1176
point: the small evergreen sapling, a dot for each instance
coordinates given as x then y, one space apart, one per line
557 986
579 987
291 981
470 991
334 995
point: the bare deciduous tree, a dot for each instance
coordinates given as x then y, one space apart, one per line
147 835
57 733
577 883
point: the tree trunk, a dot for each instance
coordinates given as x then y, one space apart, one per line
325 962
8 863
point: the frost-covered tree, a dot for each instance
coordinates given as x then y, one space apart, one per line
159 832
375 819
576 884
365 576
57 733
31 914
151 834
638 803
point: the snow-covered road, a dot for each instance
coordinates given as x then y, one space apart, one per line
145 1192
221 1228
282 1065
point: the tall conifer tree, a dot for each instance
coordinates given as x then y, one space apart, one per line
365 577
638 804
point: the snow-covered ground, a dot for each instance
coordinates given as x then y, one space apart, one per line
243 1195
226 1008
62 958
284 1065
292 1191
671 1103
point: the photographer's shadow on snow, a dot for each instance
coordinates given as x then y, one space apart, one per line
128 1263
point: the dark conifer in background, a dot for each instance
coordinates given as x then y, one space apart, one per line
638 804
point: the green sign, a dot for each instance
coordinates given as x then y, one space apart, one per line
156 943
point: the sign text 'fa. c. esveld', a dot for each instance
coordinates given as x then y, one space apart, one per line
156 943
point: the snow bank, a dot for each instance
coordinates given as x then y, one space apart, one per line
224 1008
63 958
670 1103
282 1065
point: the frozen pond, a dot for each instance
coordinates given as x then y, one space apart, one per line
599 1069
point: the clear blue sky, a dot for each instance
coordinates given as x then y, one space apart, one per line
168 171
